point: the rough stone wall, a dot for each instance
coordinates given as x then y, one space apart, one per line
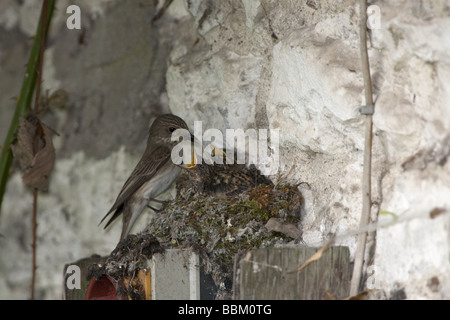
288 65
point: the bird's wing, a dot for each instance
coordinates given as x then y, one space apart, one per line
143 172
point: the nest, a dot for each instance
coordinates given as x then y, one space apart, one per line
216 228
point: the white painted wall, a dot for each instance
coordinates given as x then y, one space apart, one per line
292 66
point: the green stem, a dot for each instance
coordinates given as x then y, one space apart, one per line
24 100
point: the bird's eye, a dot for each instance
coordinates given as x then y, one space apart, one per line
201 166
172 129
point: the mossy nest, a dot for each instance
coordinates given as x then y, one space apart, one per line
220 228
217 228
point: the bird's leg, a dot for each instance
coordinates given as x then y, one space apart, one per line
164 204
154 209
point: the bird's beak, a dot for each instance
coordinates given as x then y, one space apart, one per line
192 163
217 151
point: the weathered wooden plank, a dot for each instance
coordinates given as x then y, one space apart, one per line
264 274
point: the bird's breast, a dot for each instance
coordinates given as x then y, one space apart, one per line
159 183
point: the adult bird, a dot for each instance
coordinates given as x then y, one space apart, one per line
153 174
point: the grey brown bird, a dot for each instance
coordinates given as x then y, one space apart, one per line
153 174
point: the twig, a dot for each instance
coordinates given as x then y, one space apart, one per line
367 170
37 136
316 256
33 245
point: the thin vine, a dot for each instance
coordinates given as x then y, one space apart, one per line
367 171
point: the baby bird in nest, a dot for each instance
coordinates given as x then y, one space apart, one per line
224 180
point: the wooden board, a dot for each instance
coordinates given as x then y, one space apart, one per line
264 274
